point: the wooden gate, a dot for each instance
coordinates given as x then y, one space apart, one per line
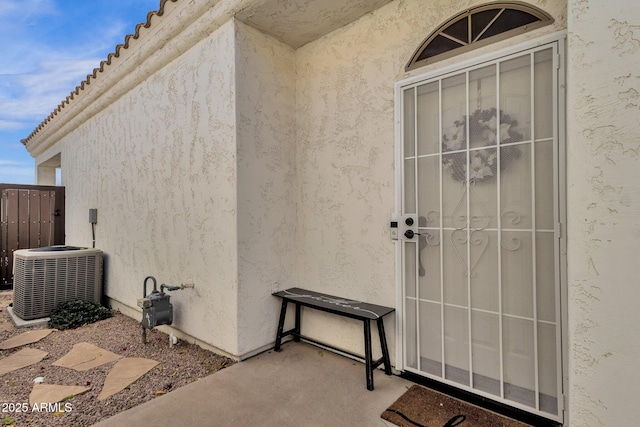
31 216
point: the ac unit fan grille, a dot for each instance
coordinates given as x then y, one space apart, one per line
40 284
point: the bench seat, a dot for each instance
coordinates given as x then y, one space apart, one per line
358 310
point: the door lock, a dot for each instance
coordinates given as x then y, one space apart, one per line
410 233
407 227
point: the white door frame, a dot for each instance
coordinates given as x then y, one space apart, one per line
559 130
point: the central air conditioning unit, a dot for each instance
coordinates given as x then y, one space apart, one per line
46 277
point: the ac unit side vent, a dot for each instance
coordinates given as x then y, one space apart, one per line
44 279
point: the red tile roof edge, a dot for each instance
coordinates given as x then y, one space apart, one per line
99 69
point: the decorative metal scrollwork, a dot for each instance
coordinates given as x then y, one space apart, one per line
476 237
431 218
459 213
476 222
511 216
474 232
512 244
467 230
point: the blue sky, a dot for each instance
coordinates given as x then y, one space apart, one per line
48 47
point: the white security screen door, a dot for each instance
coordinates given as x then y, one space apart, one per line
479 230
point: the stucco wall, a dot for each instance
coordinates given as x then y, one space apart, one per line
345 155
603 236
244 166
193 176
191 187
159 164
265 113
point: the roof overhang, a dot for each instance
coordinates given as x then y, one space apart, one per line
175 28
298 22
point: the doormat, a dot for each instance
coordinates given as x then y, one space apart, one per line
422 407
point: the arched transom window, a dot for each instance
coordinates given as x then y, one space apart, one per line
476 27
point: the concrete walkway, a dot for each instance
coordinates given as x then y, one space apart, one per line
302 385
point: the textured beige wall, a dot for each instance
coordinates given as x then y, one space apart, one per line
345 155
289 182
603 236
162 166
159 164
265 113
193 176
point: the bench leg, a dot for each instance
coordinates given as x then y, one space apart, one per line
297 324
383 345
283 313
367 353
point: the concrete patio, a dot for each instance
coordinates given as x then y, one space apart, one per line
302 385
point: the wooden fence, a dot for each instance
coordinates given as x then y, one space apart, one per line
31 216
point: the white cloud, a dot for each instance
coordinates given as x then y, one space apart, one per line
26 7
48 47
12 172
11 163
36 94
10 125
38 70
19 33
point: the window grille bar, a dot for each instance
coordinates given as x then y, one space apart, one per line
416 204
468 227
441 172
499 234
532 94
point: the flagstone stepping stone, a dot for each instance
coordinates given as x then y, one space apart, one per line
84 356
125 372
25 338
51 393
5 299
5 325
21 359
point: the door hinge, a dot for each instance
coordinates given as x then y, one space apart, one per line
562 403
558 230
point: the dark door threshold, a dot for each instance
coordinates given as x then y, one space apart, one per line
481 401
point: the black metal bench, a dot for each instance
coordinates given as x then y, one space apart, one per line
342 307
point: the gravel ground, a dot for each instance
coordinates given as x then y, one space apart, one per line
178 366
